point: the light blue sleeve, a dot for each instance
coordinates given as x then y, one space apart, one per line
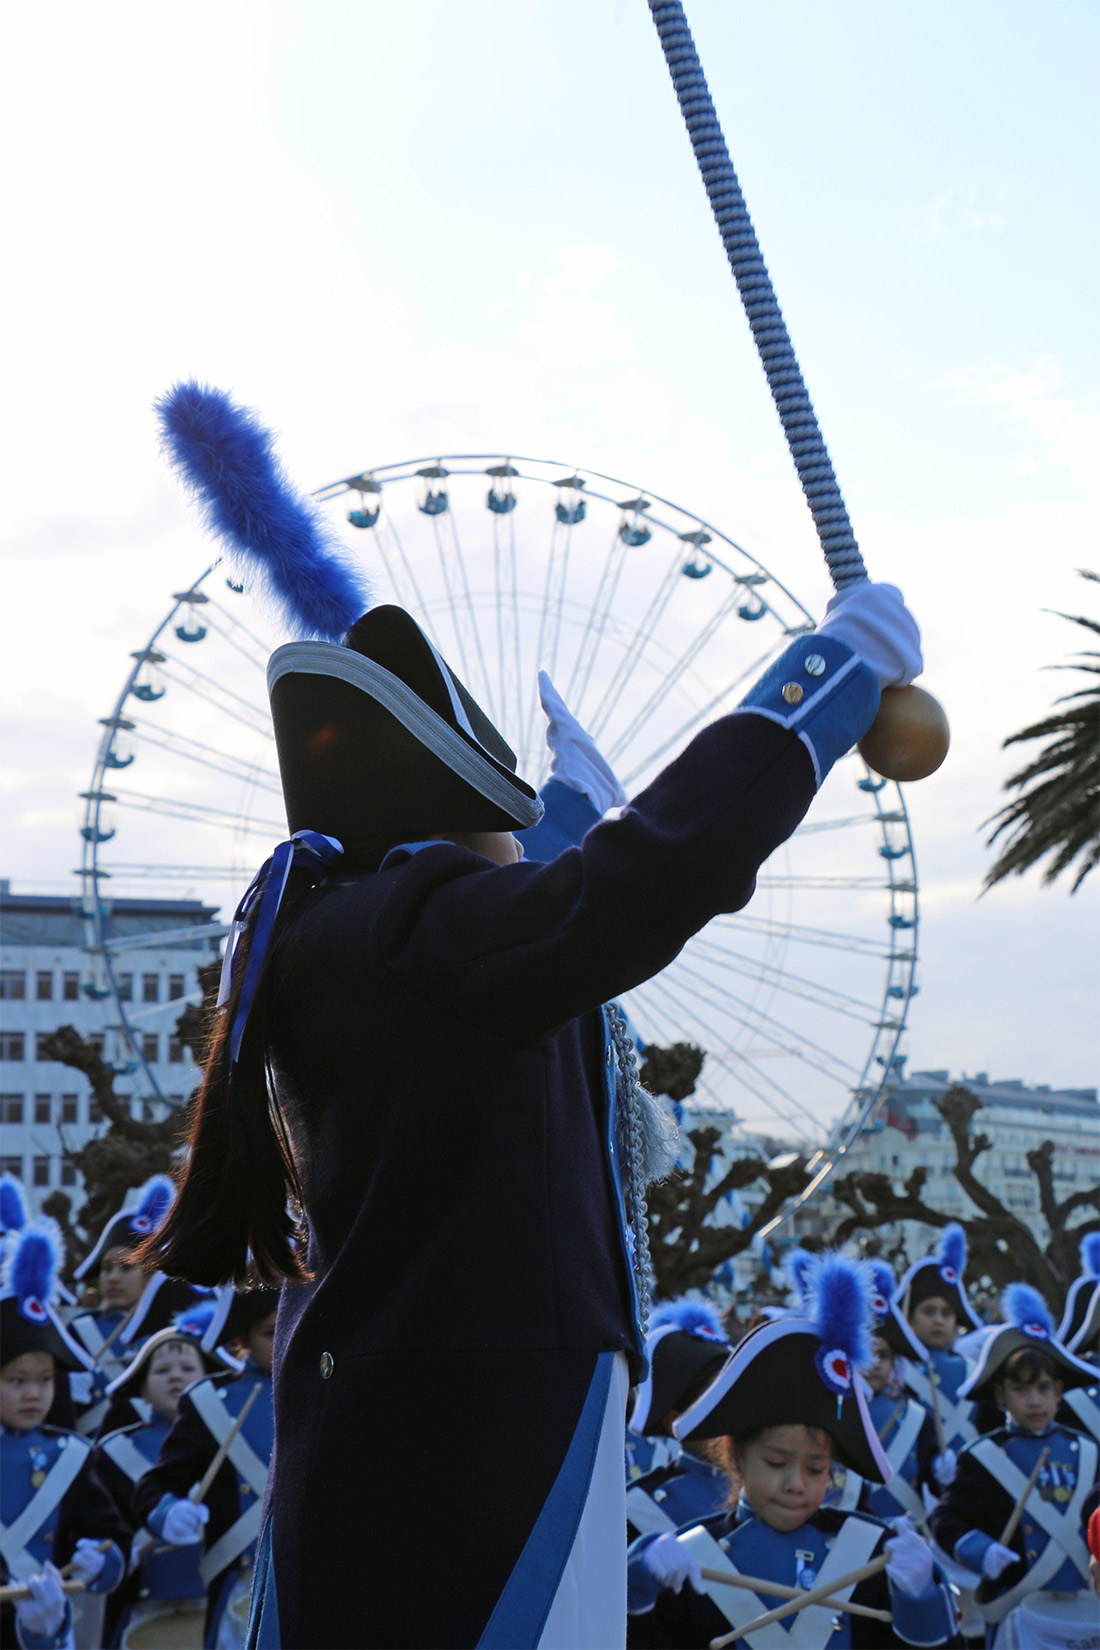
822 691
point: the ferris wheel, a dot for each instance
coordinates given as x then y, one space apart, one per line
651 622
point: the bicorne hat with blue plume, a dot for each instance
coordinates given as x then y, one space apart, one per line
1081 1289
1028 1324
13 1204
29 1320
889 1323
191 1326
942 1276
379 743
686 1346
803 1370
132 1225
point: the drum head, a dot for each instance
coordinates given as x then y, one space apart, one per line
175 1627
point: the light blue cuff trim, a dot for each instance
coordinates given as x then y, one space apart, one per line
832 697
522 1608
971 1548
155 1520
114 1568
569 814
38 1641
925 1619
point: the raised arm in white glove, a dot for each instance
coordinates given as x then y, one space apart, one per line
42 1613
909 1564
944 1468
183 1522
576 760
87 1561
875 623
672 1564
996 1559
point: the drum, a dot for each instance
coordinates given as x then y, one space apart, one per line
165 1624
1049 1621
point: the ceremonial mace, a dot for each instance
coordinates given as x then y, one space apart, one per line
909 737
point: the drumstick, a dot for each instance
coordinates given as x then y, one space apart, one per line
115 1333
816 1595
936 1416
197 1491
1018 1510
16 1592
101 1547
898 1410
777 1590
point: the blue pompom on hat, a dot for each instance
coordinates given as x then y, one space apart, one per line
1028 1323
940 1276
686 1345
29 1292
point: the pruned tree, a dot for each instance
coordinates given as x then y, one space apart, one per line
1057 812
1000 1244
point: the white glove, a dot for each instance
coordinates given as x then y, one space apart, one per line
996 1559
43 1613
875 623
184 1521
576 761
944 1468
672 1564
87 1561
910 1560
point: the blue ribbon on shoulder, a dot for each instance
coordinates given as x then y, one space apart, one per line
307 849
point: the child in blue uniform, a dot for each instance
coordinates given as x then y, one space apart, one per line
686 1346
53 1509
932 1298
227 1522
163 1579
1035 1590
788 1401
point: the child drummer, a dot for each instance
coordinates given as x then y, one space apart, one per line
787 1402
932 1298
1017 1509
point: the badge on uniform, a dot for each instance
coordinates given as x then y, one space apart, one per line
39 1463
804 1573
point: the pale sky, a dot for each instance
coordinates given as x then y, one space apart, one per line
402 230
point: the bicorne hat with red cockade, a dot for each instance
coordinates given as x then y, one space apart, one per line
940 1275
1028 1323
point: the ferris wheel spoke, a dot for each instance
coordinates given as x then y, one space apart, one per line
213 692
251 649
595 629
792 985
682 663
237 626
550 614
643 635
191 750
704 715
509 652
824 883
196 813
175 873
407 593
816 827
463 618
803 934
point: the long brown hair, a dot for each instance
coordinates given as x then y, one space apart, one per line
235 1219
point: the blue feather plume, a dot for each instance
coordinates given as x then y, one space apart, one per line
693 1317
952 1249
13 1204
196 1319
1025 1308
885 1282
154 1203
226 458
32 1260
799 1263
1090 1254
841 1291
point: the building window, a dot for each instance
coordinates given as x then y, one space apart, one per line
175 986
150 1046
12 1165
43 985
11 1108
70 986
125 984
13 983
41 1108
68 1173
150 988
175 1050
69 1108
41 1171
13 1045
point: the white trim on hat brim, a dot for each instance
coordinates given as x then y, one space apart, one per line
1040 1343
395 696
639 1415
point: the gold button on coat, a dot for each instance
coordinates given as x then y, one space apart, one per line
328 1364
792 693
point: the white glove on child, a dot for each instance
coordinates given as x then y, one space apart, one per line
184 1522
672 1564
576 761
42 1613
875 623
910 1559
996 1559
87 1561
944 1468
